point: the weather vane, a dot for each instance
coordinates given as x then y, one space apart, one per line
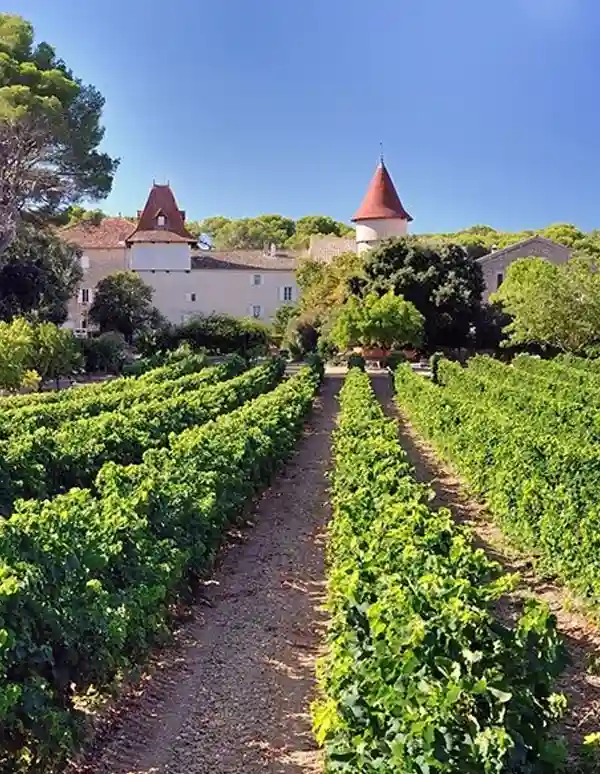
381 152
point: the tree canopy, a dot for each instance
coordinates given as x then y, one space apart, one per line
479 240
386 322
122 303
552 305
441 279
255 233
38 275
51 128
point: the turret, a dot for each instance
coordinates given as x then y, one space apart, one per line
381 214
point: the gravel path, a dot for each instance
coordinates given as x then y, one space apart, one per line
234 695
581 679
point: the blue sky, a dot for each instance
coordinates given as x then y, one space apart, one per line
488 109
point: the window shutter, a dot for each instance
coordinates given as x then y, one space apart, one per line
80 296
282 293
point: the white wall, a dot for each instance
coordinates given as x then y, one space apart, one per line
370 232
218 290
174 256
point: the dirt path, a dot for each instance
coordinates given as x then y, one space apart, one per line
234 695
581 680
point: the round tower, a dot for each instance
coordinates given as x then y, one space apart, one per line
381 214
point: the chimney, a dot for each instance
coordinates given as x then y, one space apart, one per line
266 248
273 250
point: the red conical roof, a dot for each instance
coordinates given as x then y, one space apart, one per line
381 200
161 204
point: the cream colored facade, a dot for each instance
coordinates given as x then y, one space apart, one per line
256 289
256 292
96 264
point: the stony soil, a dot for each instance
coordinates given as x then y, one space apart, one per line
234 694
580 681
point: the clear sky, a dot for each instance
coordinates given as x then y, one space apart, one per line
488 109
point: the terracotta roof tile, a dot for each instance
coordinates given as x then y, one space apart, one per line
110 233
161 202
157 235
381 200
245 259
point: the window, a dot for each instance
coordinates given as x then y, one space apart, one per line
256 311
499 279
288 293
190 297
257 279
161 221
85 262
84 323
84 296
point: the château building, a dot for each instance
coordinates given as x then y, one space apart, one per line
188 280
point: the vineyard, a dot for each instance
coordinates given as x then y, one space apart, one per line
89 576
421 675
525 438
118 500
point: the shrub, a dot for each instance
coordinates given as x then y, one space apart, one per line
104 353
434 363
355 360
302 335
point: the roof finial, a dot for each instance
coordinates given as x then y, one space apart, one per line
381 153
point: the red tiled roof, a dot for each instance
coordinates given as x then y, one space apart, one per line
381 199
161 201
156 235
108 234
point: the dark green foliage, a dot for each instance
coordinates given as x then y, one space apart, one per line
218 334
104 353
302 335
420 675
441 280
38 275
356 360
434 363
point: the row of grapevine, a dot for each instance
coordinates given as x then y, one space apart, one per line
81 403
187 365
420 675
48 461
87 580
549 403
538 473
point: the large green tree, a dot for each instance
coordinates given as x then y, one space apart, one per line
122 303
38 275
386 322
552 305
442 280
51 128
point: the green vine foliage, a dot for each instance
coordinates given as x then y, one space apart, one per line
80 403
48 462
87 580
420 676
525 438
